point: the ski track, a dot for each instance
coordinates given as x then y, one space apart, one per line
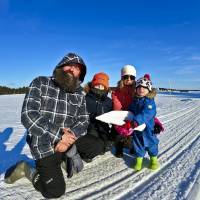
132 181
108 177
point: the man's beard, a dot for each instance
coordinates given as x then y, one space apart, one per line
66 81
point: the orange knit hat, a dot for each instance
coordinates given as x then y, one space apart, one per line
101 79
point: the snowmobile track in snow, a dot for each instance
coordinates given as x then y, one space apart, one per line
184 137
108 177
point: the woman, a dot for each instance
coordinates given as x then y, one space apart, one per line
122 98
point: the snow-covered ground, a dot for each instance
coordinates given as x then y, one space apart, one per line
108 177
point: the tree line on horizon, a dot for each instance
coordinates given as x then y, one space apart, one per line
23 90
8 90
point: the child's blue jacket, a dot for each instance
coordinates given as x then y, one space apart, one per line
144 111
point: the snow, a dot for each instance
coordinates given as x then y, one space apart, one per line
107 177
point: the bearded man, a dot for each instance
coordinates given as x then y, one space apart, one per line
55 115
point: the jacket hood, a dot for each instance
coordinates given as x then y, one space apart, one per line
151 94
72 58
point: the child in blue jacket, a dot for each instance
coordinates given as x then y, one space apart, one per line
144 112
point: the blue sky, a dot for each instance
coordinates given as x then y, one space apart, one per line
158 37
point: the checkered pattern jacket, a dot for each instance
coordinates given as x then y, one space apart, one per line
47 110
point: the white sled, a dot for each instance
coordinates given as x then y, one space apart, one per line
118 117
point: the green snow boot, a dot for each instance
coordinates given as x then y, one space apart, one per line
138 164
20 170
154 164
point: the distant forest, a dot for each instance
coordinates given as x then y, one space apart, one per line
23 90
7 90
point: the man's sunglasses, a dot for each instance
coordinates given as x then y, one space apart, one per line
126 77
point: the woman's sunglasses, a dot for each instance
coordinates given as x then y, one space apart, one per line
126 77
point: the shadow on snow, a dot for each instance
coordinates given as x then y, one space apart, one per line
9 158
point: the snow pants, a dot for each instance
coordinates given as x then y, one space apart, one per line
51 182
140 149
89 146
120 142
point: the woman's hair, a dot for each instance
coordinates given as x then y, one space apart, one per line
121 85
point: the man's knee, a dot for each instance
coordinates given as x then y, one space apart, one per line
49 188
50 181
54 190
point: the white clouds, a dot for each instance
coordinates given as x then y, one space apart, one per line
183 61
175 58
192 80
195 58
188 70
181 24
